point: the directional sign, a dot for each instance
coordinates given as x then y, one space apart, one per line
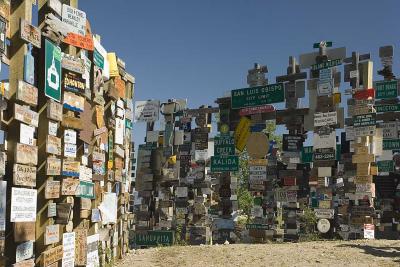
387 108
154 238
224 163
385 166
224 145
326 64
257 96
386 89
364 120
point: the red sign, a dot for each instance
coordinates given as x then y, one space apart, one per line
256 110
84 42
364 94
289 181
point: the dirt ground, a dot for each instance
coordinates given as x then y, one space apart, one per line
321 253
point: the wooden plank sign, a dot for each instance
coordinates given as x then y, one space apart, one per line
53 166
24 175
71 168
27 93
73 102
53 145
120 86
24 231
72 63
363 158
30 33
84 42
80 246
52 234
52 189
26 154
63 213
72 122
69 187
52 255
24 114
54 110
26 263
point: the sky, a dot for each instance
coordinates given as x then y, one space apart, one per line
199 50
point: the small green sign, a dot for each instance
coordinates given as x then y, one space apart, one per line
327 44
364 120
257 226
388 108
52 87
386 89
224 145
326 64
148 146
98 59
391 144
154 238
257 96
86 189
385 166
224 163
307 154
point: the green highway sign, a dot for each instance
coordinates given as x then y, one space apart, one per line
385 166
224 163
391 144
364 120
326 64
327 44
257 226
154 238
388 108
224 145
52 66
307 154
386 89
257 96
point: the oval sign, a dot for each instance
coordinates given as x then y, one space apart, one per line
257 145
323 225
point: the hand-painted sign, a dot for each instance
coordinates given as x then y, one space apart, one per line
27 93
75 19
52 234
23 205
224 163
69 187
73 102
147 111
52 87
30 33
52 189
24 175
26 154
77 40
70 168
53 145
53 166
24 251
257 96
52 255
86 189
24 114
54 110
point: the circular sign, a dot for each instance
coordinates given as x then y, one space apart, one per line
323 225
224 128
257 145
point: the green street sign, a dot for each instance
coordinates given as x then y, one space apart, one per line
224 163
98 59
257 226
391 144
388 108
364 120
52 87
224 145
326 64
327 44
257 96
154 238
385 166
307 154
386 89
86 189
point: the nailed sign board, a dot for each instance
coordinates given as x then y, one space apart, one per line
24 231
326 64
386 89
292 143
24 114
147 111
69 187
324 140
391 144
73 102
23 205
75 19
52 234
324 119
389 130
27 93
256 110
224 145
77 40
63 213
257 96
364 131
387 108
73 82
92 250
3 204
224 163
69 150
24 251
54 110
324 213
52 71
24 175
70 136
154 238
53 145
86 189
52 255
242 132
30 33
364 120
73 64
68 242
26 154
52 189
53 166
52 210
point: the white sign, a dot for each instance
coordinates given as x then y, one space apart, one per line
369 231
92 251
325 140
323 119
257 173
350 133
70 136
147 111
26 134
85 173
23 205
324 213
52 234
325 87
69 150
68 259
108 208
75 19
389 130
365 130
200 154
53 127
181 191
119 131
353 74
24 251
3 204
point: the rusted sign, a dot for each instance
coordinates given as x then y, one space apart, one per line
52 255
24 175
53 145
53 166
30 33
24 114
27 93
52 189
69 187
26 154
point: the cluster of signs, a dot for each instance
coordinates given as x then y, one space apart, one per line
85 137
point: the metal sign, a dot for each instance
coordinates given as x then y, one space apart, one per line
386 89
364 120
52 87
224 163
391 144
147 111
257 96
242 132
387 108
292 143
389 130
86 189
324 140
73 82
77 40
154 238
385 166
326 64
256 110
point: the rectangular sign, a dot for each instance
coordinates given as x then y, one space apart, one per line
68 242
52 189
292 143
154 238
69 187
24 251
24 175
257 96
387 108
52 234
53 145
73 102
75 19
242 133
256 110
25 114
391 144
53 166
73 82
77 40
30 33
23 205
324 119
52 255
386 89
364 120
27 93
147 111
86 189
385 166
224 163
70 168
26 154
324 140
3 204
389 130
326 64
52 66
224 145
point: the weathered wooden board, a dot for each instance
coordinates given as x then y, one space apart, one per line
24 175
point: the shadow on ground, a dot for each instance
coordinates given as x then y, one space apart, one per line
390 252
